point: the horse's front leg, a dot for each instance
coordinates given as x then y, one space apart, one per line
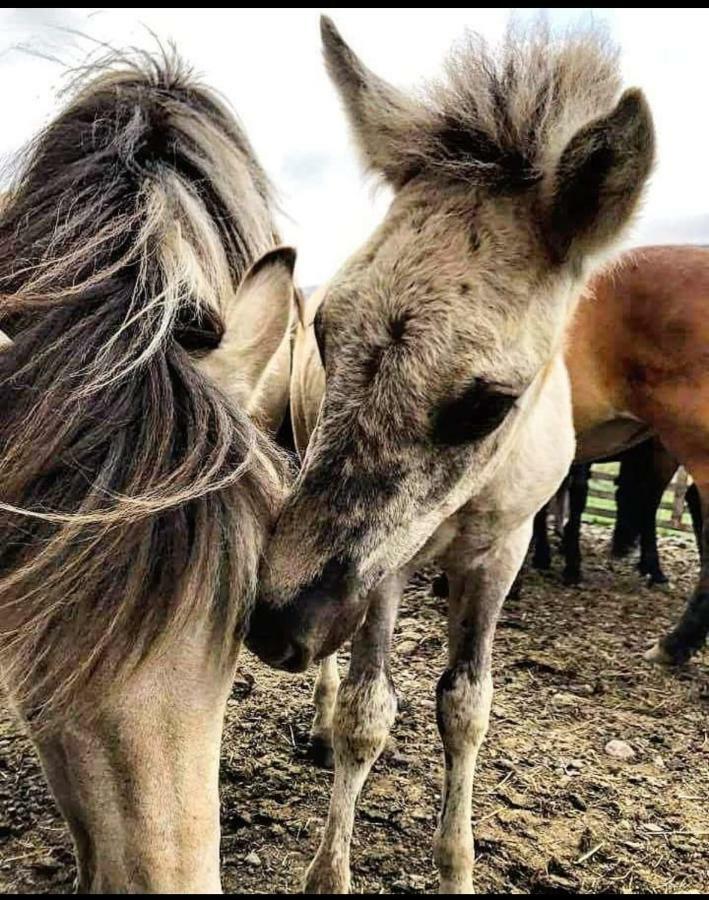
324 698
579 479
364 714
137 781
464 697
690 634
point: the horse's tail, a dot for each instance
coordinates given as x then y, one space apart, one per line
133 496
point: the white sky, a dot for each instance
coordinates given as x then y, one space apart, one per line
268 64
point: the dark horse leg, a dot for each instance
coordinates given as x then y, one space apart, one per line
694 504
627 500
579 477
689 635
541 557
660 472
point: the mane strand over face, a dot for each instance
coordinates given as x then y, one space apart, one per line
134 496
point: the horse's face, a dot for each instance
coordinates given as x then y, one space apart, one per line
435 339
252 362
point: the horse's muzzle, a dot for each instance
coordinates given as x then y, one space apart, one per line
311 625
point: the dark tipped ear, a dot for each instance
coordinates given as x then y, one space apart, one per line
382 117
600 178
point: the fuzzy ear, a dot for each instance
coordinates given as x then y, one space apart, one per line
252 362
382 117
600 178
259 316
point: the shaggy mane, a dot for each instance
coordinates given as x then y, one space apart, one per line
134 497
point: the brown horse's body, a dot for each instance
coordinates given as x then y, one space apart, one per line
638 358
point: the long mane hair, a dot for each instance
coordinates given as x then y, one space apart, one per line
133 496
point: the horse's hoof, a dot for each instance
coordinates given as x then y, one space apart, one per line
325 879
661 581
463 885
541 565
321 752
658 656
440 587
571 579
622 551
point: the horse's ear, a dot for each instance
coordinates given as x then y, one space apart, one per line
600 178
252 362
261 312
382 117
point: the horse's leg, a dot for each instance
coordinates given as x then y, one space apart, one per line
560 505
661 471
364 714
690 634
464 696
324 697
694 504
138 781
541 558
628 497
578 494
57 771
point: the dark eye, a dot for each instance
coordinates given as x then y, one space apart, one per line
319 329
471 416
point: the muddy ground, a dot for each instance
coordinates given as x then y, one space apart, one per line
554 813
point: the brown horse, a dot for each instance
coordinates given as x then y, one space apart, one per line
638 359
148 312
446 418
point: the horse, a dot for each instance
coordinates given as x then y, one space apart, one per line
146 304
445 419
639 368
645 472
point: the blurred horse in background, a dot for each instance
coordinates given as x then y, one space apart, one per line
645 472
638 361
148 308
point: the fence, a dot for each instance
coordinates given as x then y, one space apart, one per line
672 515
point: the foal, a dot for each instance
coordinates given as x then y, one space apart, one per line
148 312
446 417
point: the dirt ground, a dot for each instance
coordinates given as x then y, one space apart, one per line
553 812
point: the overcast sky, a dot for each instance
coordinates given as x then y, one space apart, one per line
269 66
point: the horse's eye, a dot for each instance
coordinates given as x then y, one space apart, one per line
319 328
198 334
472 415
